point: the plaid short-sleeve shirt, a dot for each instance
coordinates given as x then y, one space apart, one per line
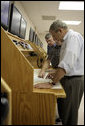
53 55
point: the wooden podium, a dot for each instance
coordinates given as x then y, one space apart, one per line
30 106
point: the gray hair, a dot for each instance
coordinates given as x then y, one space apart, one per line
58 24
47 36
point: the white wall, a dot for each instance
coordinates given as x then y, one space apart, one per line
42 36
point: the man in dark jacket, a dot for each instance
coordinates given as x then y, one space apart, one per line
53 52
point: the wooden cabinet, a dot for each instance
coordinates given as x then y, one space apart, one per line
29 106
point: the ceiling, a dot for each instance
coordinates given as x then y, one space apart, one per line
36 9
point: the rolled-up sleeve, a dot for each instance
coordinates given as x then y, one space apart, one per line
69 54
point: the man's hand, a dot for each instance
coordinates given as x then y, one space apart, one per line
43 85
56 76
41 74
51 76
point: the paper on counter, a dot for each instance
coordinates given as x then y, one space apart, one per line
38 80
57 86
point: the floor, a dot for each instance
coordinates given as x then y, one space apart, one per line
80 114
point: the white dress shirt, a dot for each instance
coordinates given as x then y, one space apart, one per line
72 54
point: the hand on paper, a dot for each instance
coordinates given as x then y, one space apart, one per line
51 76
41 74
57 76
43 85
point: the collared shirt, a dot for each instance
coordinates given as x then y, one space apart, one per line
53 55
72 54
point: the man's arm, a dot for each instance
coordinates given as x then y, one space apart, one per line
45 66
58 75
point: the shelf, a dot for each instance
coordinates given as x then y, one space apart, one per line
26 50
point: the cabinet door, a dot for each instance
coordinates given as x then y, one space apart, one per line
35 109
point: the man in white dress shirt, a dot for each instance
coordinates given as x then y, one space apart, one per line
70 71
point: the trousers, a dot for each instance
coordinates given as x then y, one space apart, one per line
68 107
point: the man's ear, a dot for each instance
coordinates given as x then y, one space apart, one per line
60 30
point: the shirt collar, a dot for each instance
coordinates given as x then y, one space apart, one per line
54 45
66 34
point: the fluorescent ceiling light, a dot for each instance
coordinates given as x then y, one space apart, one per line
71 5
72 22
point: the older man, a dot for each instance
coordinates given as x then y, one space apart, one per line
70 71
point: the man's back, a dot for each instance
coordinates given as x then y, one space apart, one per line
72 53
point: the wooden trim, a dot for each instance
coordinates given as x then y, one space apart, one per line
5 88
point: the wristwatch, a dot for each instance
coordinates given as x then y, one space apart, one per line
53 83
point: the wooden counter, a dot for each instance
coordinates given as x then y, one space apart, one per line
29 106
59 93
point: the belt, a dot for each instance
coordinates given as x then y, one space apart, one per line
76 76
